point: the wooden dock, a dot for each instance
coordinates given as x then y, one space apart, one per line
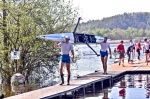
82 82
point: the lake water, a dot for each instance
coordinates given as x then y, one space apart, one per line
130 86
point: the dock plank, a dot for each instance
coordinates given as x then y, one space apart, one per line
57 89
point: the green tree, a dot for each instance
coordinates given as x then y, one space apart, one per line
20 23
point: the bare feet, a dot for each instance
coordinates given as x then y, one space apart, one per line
105 73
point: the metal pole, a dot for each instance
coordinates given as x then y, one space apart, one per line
110 81
83 92
73 94
102 84
94 88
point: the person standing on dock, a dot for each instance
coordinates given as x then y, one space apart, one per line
146 48
138 48
66 47
115 52
129 50
121 50
133 49
104 53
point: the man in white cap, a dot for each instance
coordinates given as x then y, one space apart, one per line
66 47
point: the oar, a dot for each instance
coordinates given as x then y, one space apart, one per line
89 54
86 42
75 29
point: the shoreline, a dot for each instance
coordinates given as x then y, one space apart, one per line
118 41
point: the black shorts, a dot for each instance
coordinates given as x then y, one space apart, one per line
138 50
146 51
133 47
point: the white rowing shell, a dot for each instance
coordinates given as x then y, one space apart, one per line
57 37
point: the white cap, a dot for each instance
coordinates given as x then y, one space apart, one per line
67 37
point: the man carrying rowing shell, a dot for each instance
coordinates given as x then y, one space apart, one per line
66 47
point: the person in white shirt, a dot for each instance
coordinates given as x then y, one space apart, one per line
104 53
146 48
66 47
133 49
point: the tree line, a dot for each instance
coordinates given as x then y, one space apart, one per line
125 26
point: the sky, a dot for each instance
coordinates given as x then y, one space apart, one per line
98 9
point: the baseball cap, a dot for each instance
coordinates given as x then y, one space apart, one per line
67 37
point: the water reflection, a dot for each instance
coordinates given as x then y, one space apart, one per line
139 78
131 86
10 90
131 83
147 87
105 94
122 91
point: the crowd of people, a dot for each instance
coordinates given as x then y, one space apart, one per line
134 47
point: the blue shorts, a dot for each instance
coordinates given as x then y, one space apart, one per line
103 53
65 58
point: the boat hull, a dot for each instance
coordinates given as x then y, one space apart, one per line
80 37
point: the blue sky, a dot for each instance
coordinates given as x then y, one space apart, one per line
98 9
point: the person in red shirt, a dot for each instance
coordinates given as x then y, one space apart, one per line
121 50
138 48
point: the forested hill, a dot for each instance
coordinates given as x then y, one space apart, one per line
139 20
123 26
